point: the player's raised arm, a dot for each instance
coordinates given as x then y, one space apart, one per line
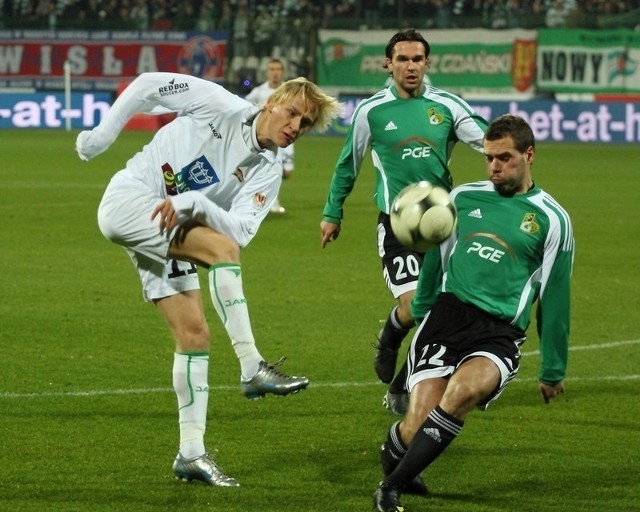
153 92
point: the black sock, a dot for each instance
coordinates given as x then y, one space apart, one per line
392 333
431 439
399 382
392 450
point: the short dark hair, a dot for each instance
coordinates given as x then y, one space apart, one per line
512 126
409 34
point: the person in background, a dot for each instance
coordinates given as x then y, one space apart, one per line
258 96
513 246
195 195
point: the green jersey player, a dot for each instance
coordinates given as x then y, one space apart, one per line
412 129
513 246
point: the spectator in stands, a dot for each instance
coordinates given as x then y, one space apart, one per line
516 13
240 33
371 13
160 17
444 13
557 14
93 13
225 21
328 15
264 28
140 15
346 11
70 9
185 18
124 21
389 12
495 14
206 20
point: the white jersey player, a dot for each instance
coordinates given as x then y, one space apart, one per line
259 96
196 194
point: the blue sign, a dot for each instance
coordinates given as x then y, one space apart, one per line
48 109
556 121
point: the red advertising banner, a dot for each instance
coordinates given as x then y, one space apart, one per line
101 60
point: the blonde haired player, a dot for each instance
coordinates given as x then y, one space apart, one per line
258 96
197 194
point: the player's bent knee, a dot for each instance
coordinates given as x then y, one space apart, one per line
460 398
193 339
221 250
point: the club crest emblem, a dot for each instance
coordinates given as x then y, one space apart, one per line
196 175
434 117
529 225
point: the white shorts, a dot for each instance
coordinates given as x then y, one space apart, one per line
124 217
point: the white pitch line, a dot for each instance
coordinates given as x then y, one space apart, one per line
598 346
142 391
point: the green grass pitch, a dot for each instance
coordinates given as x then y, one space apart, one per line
88 419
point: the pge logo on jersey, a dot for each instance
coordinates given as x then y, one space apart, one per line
421 152
486 252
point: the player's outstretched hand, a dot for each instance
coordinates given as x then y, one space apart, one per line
548 391
329 232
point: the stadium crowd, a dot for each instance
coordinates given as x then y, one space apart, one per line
287 29
259 20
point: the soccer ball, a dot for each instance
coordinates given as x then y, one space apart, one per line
423 215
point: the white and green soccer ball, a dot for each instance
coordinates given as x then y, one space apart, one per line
423 215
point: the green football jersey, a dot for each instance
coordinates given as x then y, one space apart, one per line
411 140
506 253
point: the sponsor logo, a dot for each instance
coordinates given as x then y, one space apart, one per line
529 225
414 147
169 179
475 213
433 433
235 302
476 246
197 175
486 252
390 126
215 132
173 88
421 152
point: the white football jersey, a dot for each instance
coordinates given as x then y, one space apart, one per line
207 159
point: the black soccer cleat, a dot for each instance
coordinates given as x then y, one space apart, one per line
384 362
387 498
397 403
416 486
